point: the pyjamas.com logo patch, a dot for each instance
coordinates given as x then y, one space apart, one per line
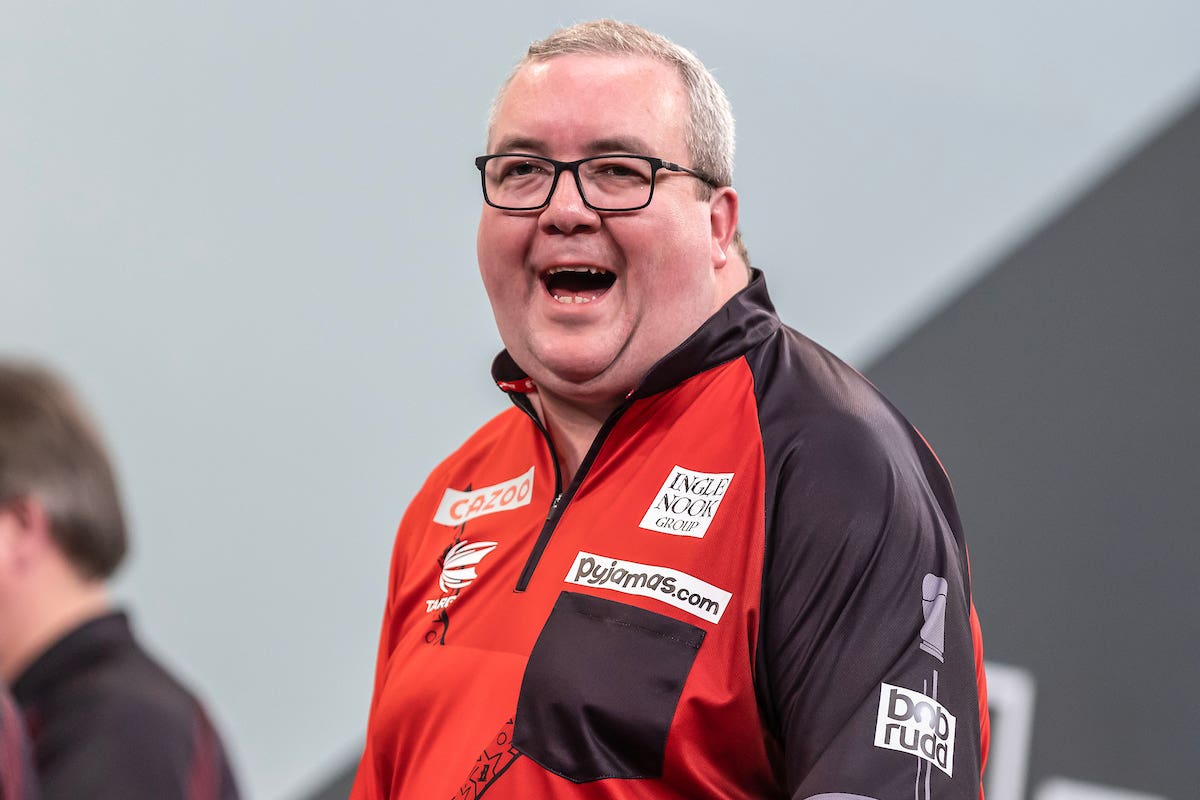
685 592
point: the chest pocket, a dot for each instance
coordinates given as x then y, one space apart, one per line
601 688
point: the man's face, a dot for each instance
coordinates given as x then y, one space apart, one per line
644 280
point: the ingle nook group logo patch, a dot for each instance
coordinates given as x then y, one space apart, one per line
687 502
458 507
685 592
914 723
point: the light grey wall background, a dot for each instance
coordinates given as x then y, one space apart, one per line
246 232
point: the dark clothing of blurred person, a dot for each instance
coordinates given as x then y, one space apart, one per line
17 781
106 721
104 713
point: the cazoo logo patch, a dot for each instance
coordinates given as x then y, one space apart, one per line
459 507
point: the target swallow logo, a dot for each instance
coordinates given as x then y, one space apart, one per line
458 567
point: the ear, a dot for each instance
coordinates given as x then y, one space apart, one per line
24 531
723 222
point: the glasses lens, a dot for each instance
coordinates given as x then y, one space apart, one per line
518 181
616 182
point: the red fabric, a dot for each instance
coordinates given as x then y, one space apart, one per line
489 628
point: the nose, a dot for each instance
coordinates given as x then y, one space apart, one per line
566 212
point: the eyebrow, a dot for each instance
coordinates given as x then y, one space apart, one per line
618 144
519 144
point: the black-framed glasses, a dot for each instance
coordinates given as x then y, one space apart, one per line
619 182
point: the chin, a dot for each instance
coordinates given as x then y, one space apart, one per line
585 379
573 373
576 359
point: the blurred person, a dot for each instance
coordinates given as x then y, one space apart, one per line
701 557
106 720
17 779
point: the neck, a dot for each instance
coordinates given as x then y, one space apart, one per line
42 622
573 428
573 425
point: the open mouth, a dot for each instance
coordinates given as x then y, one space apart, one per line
578 284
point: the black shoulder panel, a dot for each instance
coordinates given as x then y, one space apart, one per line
864 563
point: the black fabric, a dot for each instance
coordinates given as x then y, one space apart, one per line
17 778
107 721
859 512
629 666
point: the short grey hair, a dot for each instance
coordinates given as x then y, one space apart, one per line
51 451
709 133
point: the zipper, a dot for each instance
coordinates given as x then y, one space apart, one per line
561 498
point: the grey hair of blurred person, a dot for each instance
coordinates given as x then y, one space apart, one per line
51 451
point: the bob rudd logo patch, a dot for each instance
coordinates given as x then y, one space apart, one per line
913 723
687 502
458 507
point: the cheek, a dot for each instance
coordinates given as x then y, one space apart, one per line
673 255
500 237
501 291
676 235
499 253
501 257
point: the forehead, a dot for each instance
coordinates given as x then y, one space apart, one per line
575 105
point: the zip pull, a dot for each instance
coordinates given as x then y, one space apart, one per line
553 505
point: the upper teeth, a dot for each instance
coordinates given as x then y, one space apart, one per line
593 270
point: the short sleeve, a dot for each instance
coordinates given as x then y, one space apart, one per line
868 655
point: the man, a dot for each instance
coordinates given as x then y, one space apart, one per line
106 720
701 557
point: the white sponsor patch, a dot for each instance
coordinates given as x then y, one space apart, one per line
458 567
458 571
687 502
459 507
913 723
673 587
